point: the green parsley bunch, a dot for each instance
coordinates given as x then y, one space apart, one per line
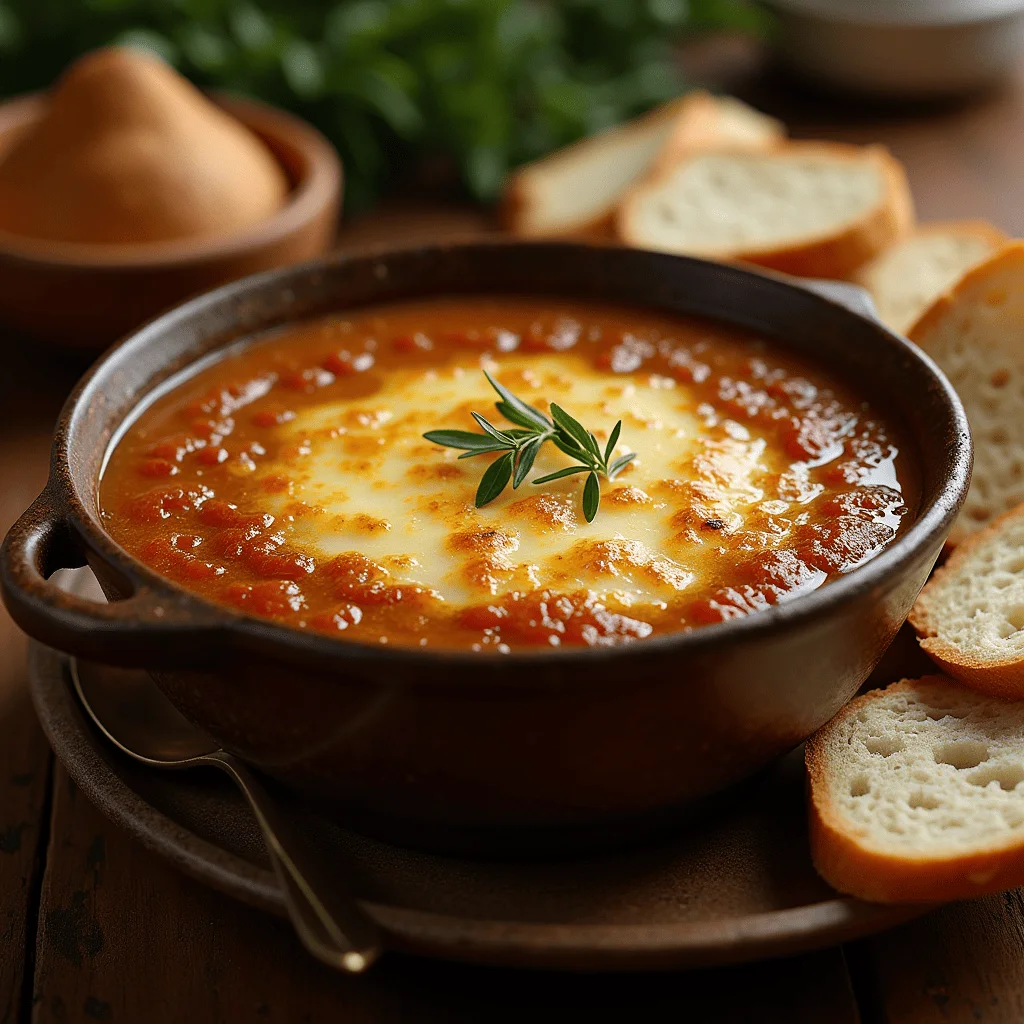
486 84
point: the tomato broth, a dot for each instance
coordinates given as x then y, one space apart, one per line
290 478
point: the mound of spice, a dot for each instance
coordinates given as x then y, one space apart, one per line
130 151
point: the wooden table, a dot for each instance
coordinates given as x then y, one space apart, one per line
94 928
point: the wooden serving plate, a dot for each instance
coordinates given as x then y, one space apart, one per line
736 886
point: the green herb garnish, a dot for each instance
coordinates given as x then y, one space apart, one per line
521 445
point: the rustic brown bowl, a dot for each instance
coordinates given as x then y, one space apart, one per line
466 750
86 296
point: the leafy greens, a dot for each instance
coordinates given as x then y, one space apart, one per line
396 84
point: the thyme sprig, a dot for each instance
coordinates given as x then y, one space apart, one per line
520 445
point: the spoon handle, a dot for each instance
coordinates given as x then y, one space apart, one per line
329 921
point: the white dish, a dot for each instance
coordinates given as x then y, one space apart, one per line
908 49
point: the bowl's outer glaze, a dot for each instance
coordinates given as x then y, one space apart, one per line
458 748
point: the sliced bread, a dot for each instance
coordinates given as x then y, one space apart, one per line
708 122
575 191
917 794
970 616
815 209
975 332
908 277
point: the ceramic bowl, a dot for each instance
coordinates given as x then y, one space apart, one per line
86 296
902 49
536 749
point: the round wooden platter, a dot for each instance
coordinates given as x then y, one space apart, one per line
735 887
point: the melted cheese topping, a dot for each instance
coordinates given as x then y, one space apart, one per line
304 489
379 488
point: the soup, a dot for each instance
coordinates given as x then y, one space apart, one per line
291 477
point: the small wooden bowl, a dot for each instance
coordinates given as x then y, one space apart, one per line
85 296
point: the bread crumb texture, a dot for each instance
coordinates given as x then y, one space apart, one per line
976 603
574 189
584 186
907 278
719 202
976 335
926 769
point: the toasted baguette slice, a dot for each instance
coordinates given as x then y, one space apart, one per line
575 191
975 332
709 122
970 616
907 278
917 794
816 209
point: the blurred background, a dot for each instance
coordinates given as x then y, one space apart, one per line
440 91
431 104
442 88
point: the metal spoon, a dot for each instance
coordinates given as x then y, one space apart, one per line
129 709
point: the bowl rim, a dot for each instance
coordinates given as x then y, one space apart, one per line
903 13
235 627
320 183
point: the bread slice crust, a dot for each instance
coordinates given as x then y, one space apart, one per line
995 676
696 124
1010 255
973 289
983 229
835 253
699 128
522 193
855 866
872 274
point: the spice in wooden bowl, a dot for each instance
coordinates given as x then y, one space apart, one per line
130 151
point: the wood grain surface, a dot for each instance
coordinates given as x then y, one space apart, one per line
122 937
964 962
30 397
94 928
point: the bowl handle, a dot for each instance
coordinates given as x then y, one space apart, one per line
150 627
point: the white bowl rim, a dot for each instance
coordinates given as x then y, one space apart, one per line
905 12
